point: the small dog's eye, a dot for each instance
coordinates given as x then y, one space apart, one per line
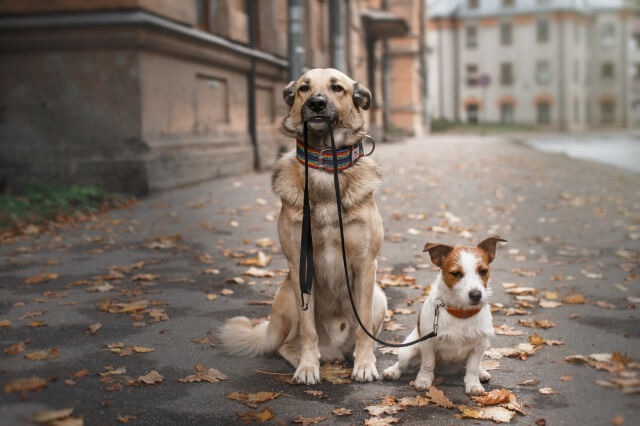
337 88
304 88
483 272
457 274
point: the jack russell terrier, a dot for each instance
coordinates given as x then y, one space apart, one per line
458 303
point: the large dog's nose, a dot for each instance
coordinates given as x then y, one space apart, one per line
317 103
475 296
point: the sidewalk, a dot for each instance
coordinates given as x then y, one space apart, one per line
162 276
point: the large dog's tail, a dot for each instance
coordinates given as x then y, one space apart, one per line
239 337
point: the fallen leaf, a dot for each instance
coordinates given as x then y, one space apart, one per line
400 280
43 355
535 323
259 273
5 323
35 324
497 414
264 242
27 384
144 277
381 421
16 348
342 411
495 397
436 396
574 299
261 260
253 399
544 303
125 419
204 374
547 391
81 373
529 382
226 292
566 378
378 410
258 417
507 330
50 416
151 378
413 401
203 341
41 278
212 296
317 393
306 421
93 328
335 374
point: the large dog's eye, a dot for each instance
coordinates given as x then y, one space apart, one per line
337 88
304 88
457 274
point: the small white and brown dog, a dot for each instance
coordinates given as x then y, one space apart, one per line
458 299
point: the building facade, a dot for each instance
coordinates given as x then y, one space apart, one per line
145 95
553 63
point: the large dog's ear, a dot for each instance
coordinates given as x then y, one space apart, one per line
437 252
289 93
488 245
361 96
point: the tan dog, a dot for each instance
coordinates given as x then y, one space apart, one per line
328 329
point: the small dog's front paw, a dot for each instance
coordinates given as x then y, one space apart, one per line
392 373
484 376
365 372
473 388
307 374
423 381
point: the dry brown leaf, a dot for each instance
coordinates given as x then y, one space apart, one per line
394 326
204 374
203 341
335 374
535 323
125 419
81 373
26 384
16 348
497 414
93 328
342 411
507 330
212 296
414 401
436 396
43 355
574 299
547 391
257 416
35 324
400 280
378 410
253 399
317 393
164 243
261 260
381 421
306 421
151 378
5 323
259 273
495 397
49 416
144 277
544 303
41 278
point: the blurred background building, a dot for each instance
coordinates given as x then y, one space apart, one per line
144 95
566 64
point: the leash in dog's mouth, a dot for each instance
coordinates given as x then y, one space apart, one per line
306 271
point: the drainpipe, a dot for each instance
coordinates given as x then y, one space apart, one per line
424 67
296 38
336 35
386 84
251 86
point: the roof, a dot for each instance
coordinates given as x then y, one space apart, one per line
447 8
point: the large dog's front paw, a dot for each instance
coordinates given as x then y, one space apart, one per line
423 381
308 374
472 386
365 372
392 373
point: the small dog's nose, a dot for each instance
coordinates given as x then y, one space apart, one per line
317 103
475 296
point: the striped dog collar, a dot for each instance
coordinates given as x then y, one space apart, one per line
323 159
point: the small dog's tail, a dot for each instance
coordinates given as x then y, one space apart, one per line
239 337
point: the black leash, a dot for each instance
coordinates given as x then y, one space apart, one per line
306 249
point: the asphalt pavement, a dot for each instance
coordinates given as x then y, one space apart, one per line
117 318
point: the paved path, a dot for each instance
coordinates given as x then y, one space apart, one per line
573 230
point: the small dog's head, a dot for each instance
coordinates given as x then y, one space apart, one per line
465 270
322 95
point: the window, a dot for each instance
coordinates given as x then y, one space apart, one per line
473 4
472 75
608 71
472 39
472 113
636 39
607 112
508 3
636 71
543 72
544 113
542 30
506 74
608 34
506 113
505 33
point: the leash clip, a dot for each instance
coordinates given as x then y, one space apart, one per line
437 305
305 301
373 144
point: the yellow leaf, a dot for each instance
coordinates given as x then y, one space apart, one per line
495 397
253 399
5 323
574 299
257 416
15 349
46 354
26 384
536 340
212 296
41 278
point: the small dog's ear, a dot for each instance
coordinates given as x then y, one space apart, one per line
361 96
437 252
289 93
489 244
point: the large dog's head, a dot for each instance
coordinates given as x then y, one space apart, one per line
322 95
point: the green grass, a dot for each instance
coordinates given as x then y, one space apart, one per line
39 204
